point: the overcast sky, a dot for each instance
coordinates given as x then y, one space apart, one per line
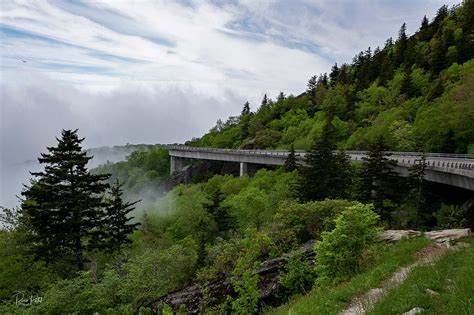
165 71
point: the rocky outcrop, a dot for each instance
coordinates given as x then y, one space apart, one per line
216 292
442 236
393 236
445 236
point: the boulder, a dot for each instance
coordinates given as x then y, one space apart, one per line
414 311
393 236
445 236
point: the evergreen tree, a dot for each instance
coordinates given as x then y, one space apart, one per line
64 204
281 97
265 101
245 121
118 225
448 144
407 88
245 109
334 75
424 23
311 85
325 173
378 180
290 162
402 44
418 185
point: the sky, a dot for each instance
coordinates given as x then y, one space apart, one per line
128 71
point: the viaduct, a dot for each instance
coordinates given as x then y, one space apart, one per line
451 169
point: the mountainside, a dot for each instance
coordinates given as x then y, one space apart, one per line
417 92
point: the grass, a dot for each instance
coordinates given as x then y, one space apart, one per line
333 299
452 277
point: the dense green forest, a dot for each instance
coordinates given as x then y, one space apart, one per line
112 241
416 92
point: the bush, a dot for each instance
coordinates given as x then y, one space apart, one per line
339 254
295 223
299 275
450 217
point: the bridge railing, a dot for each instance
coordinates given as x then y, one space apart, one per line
438 160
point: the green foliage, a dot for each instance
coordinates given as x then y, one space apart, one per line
448 277
340 253
291 163
157 272
326 173
333 298
64 204
245 277
19 271
450 217
295 223
378 180
409 92
299 275
117 220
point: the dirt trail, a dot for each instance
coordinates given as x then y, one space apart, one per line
428 255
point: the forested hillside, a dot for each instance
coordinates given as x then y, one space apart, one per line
417 92
78 245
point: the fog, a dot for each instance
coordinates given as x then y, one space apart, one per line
34 109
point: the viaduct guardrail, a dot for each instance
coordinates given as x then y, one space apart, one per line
451 169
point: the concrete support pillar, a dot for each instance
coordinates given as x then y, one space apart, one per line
176 164
243 169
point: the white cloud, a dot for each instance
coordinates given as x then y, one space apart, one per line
162 71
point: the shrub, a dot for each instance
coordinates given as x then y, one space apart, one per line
339 253
244 276
299 275
295 223
450 217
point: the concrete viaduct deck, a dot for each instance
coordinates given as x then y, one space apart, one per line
451 169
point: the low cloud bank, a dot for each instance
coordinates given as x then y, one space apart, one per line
34 109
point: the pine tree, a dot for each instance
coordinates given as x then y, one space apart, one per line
245 121
290 162
378 180
402 44
245 109
424 23
117 222
407 88
64 204
334 75
325 173
418 185
281 97
311 85
265 101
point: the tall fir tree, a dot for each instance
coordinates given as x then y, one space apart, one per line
378 182
418 186
265 101
245 121
325 174
117 220
64 203
402 45
290 162
281 97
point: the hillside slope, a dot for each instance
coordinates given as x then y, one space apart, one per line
417 92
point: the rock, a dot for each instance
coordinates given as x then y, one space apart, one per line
431 292
393 236
414 311
193 298
445 236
